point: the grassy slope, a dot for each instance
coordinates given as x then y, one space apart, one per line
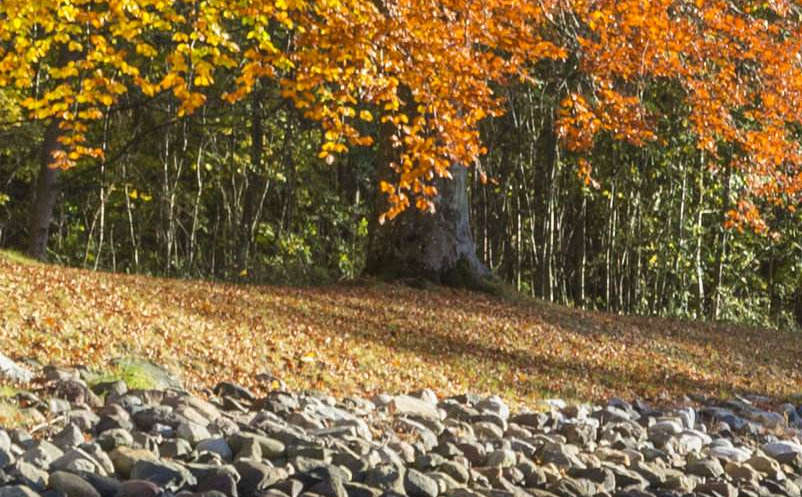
370 338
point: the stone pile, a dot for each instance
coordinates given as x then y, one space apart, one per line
109 441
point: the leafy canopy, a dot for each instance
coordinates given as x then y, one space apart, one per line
429 71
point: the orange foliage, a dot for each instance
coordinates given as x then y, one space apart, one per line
429 69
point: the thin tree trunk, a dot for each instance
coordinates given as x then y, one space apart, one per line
251 199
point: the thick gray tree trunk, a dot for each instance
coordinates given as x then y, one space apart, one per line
437 246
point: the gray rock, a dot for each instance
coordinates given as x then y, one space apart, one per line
84 419
561 455
72 485
775 449
361 490
256 476
405 405
603 478
14 371
192 432
76 460
124 458
169 475
579 433
502 458
455 470
42 454
223 480
139 488
386 477
731 453
270 447
18 491
720 488
217 446
30 475
116 437
68 438
418 484
176 448
708 468
663 431
574 487
331 487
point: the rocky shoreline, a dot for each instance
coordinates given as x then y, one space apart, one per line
111 441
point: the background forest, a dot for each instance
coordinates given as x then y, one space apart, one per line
240 191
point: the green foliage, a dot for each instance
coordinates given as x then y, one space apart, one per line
133 373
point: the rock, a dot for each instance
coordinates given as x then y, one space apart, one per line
603 478
663 431
731 453
405 405
386 477
717 488
455 470
192 432
501 458
742 472
30 475
579 433
176 448
139 488
72 485
256 476
681 483
775 449
217 446
708 468
78 460
18 491
331 487
172 476
160 377
42 454
68 438
105 486
270 447
223 480
561 455
766 465
84 419
418 484
574 487
113 438
14 371
360 490
227 389
124 458
292 487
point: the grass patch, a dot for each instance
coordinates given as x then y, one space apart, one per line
132 372
17 257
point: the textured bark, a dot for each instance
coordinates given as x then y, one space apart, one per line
437 246
45 193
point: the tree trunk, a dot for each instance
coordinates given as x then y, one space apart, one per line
45 192
437 246
252 173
